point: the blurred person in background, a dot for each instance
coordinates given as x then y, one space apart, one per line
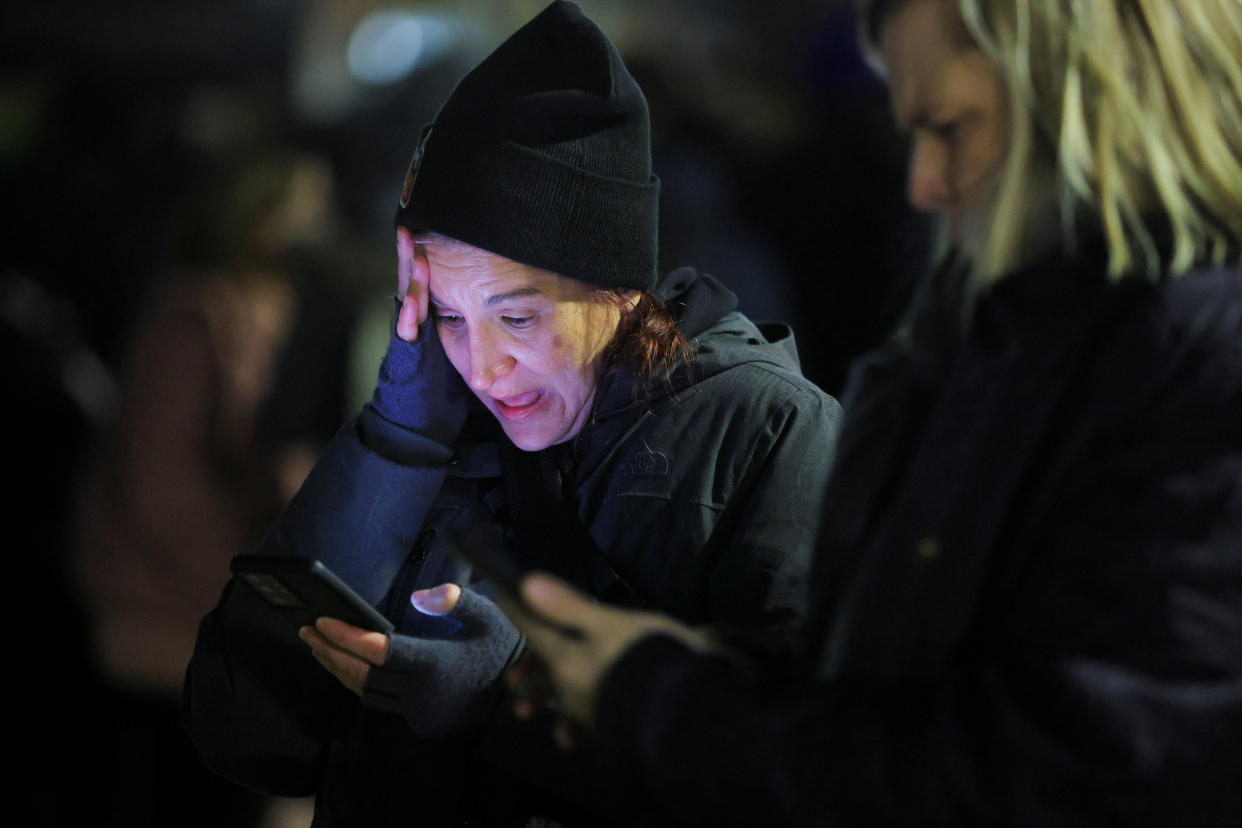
202 454
546 396
1028 588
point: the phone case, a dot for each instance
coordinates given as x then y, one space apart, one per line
303 589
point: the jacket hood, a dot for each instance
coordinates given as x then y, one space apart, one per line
720 338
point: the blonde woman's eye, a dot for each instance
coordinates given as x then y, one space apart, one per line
449 320
946 130
518 321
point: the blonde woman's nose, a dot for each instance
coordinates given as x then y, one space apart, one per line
927 186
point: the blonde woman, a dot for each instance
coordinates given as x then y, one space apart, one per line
1029 590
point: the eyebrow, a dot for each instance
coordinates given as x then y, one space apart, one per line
499 297
512 294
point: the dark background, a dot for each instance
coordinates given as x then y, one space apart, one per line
781 176
780 171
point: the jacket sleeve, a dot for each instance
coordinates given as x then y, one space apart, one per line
259 709
1105 689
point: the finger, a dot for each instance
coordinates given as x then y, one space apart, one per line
416 301
405 259
420 275
350 670
524 709
529 702
530 682
365 644
439 600
407 319
557 602
546 641
549 643
539 633
565 734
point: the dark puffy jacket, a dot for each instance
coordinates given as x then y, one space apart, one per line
702 501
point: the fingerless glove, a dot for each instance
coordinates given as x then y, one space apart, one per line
446 684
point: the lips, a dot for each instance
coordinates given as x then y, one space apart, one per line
519 406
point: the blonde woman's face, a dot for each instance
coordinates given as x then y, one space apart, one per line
949 97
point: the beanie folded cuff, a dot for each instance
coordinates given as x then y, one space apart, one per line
532 208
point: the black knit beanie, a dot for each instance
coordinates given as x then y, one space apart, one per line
542 155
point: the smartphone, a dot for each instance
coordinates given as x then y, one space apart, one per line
303 589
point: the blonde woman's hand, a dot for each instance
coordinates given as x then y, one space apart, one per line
577 640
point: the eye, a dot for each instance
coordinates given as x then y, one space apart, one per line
945 130
447 320
518 322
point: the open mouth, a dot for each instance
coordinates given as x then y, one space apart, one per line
519 406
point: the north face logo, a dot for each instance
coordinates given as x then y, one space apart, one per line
646 462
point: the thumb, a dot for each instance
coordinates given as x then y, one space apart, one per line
439 600
473 608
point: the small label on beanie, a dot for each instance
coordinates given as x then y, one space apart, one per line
412 173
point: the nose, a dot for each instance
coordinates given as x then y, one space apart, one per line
927 185
488 359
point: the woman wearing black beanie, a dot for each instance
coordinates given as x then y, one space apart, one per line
546 397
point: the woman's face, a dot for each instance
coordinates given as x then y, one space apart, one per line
950 98
528 342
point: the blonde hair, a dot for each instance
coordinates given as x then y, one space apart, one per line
1122 111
